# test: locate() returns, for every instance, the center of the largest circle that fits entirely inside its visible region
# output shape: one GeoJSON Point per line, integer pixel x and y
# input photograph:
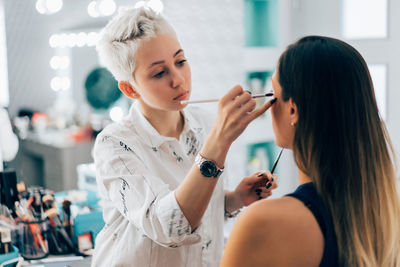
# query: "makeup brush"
{"type": "Point", "coordinates": [274, 167]}
{"type": "Point", "coordinates": [276, 161]}
{"type": "Point", "coordinates": [216, 100]}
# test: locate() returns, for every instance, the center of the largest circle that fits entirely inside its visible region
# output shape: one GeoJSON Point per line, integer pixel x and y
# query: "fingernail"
{"type": "Point", "coordinates": [261, 174]}
{"type": "Point", "coordinates": [272, 179]}
{"type": "Point", "coordinates": [258, 190]}
{"type": "Point", "coordinates": [248, 91]}
{"type": "Point", "coordinates": [273, 100]}
{"type": "Point", "coordinates": [268, 185]}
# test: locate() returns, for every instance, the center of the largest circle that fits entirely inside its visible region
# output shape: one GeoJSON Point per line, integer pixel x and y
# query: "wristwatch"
{"type": "Point", "coordinates": [207, 167]}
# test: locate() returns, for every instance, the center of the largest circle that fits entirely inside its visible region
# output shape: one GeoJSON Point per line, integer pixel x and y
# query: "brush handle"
{"type": "Point", "coordinates": [216, 100]}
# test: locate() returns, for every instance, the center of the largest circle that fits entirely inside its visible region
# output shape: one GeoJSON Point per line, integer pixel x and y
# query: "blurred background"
{"type": "Point", "coordinates": [59, 97]}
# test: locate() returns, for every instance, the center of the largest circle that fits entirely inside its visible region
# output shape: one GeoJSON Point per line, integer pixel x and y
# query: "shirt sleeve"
{"type": "Point", "coordinates": [142, 198]}
{"type": "Point", "coordinates": [8, 140]}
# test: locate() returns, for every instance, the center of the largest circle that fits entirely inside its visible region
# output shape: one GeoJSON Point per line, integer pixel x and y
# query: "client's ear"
{"type": "Point", "coordinates": [294, 115]}
{"type": "Point", "coordinates": [128, 90]}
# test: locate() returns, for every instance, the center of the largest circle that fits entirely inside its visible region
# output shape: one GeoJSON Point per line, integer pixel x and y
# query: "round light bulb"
{"type": "Point", "coordinates": [72, 39]}
{"type": "Point", "coordinates": [55, 62]}
{"type": "Point", "coordinates": [156, 5]}
{"type": "Point", "coordinates": [55, 84]}
{"type": "Point", "coordinates": [63, 40]}
{"type": "Point", "coordinates": [93, 10]}
{"type": "Point", "coordinates": [54, 6]}
{"type": "Point", "coordinates": [41, 6]}
{"type": "Point", "coordinates": [65, 83]}
{"type": "Point", "coordinates": [107, 7]}
{"type": "Point", "coordinates": [54, 40]}
{"type": "Point", "coordinates": [81, 39]}
{"type": "Point", "coordinates": [116, 114]}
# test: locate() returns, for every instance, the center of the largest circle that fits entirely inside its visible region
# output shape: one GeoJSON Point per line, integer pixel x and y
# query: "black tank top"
{"type": "Point", "coordinates": [307, 194]}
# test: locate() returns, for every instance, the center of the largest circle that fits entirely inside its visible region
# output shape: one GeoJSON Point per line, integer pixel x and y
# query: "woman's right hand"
{"type": "Point", "coordinates": [235, 111]}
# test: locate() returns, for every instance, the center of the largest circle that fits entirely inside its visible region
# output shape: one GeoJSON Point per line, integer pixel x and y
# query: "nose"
{"type": "Point", "coordinates": [177, 78]}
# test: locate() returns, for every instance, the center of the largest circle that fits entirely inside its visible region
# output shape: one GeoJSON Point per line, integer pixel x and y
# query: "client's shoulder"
{"type": "Point", "coordinates": [279, 232]}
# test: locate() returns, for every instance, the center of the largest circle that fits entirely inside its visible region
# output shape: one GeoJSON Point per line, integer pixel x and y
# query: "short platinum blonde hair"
{"type": "Point", "coordinates": [122, 36]}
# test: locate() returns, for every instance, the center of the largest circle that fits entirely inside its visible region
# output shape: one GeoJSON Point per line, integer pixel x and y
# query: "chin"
{"type": "Point", "coordinates": [282, 144]}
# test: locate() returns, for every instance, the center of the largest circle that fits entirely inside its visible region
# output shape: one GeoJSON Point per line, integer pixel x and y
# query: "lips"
{"type": "Point", "coordinates": [182, 96]}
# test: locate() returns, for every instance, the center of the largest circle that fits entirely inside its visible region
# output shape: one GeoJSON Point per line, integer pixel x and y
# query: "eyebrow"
{"type": "Point", "coordinates": [162, 61]}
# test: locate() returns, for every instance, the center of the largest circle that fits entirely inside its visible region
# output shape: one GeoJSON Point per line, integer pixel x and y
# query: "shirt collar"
{"type": "Point", "coordinates": [149, 135]}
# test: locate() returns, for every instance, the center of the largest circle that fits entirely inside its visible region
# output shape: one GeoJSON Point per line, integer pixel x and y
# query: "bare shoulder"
{"type": "Point", "coordinates": [277, 232]}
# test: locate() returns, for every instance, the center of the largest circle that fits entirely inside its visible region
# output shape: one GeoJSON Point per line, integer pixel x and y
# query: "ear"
{"type": "Point", "coordinates": [128, 90]}
{"type": "Point", "coordinates": [293, 112]}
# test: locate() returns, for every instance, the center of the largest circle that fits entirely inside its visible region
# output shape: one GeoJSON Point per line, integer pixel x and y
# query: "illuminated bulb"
{"type": "Point", "coordinates": [54, 40]}
{"type": "Point", "coordinates": [72, 39]}
{"type": "Point", "coordinates": [55, 62]}
{"type": "Point", "coordinates": [54, 6]}
{"type": "Point", "coordinates": [41, 6]}
{"type": "Point", "coordinates": [81, 39]}
{"type": "Point", "coordinates": [116, 114]}
{"type": "Point", "coordinates": [63, 40]}
{"type": "Point", "coordinates": [156, 5]}
{"type": "Point", "coordinates": [55, 84]}
{"type": "Point", "coordinates": [48, 6]}
{"type": "Point", "coordinates": [92, 9]}
{"type": "Point", "coordinates": [65, 83]}
{"type": "Point", "coordinates": [107, 7]}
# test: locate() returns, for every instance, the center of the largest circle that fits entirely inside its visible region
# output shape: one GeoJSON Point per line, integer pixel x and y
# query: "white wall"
{"type": "Point", "coordinates": [316, 17]}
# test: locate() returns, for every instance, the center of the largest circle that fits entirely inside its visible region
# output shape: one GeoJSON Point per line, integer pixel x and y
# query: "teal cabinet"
{"type": "Point", "coordinates": [261, 22]}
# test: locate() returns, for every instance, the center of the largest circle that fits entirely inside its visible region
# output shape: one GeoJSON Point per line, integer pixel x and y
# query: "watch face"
{"type": "Point", "coordinates": [208, 168]}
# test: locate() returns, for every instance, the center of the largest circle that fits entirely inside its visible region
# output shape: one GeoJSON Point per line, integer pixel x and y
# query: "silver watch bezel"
{"type": "Point", "coordinates": [200, 160]}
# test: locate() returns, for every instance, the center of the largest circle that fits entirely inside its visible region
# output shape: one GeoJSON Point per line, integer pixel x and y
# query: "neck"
{"type": "Point", "coordinates": [303, 178]}
{"type": "Point", "coordinates": [167, 123]}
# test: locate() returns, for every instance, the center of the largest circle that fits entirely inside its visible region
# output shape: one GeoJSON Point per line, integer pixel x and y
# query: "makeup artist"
{"type": "Point", "coordinates": [346, 211]}
{"type": "Point", "coordinates": [159, 170]}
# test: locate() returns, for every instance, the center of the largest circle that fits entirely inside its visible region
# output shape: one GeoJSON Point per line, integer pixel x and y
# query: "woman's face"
{"type": "Point", "coordinates": [162, 73]}
{"type": "Point", "coordinates": [283, 115]}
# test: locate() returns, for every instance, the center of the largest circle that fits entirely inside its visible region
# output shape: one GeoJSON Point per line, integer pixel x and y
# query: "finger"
{"type": "Point", "coordinates": [256, 113]}
{"type": "Point", "coordinates": [239, 102]}
{"type": "Point", "coordinates": [271, 185]}
{"type": "Point", "coordinates": [255, 178]}
{"type": "Point", "coordinates": [232, 94]}
{"type": "Point", "coordinates": [264, 195]}
{"type": "Point", "coordinates": [263, 174]}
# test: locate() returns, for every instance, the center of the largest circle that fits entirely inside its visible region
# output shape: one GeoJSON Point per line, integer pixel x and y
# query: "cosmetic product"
{"type": "Point", "coordinates": [216, 100]}
{"type": "Point", "coordinates": [66, 209]}
{"type": "Point", "coordinates": [5, 234]}
{"type": "Point", "coordinates": [48, 202]}
{"type": "Point", "coordinates": [59, 227]}
{"type": "Point", "coordinates": [276, 161]}
{"type": "Point", "coordinates": [268, 185]}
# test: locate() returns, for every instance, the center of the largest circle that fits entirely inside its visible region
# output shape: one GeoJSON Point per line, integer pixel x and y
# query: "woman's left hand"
{"type": "Point", "coordinates": [256, 187]}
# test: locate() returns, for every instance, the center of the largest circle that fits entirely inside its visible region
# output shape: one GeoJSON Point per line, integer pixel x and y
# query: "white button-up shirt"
{"type": "Point", "coordinates": [8, 140]}
{"type": "Point", "coordinates": [137, 172]}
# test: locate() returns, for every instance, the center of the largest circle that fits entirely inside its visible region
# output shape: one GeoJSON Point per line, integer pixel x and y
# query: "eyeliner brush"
{"type": "Point", "coordinates": [276, 161]}
{"type": "Point", "coordinates": [216, 100]}
{"type": "Point", "coordinates": [269, 184]}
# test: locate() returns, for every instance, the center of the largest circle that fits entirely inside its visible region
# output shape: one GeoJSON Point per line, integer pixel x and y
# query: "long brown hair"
{"type": "Point", "coordinates": [342, 144]}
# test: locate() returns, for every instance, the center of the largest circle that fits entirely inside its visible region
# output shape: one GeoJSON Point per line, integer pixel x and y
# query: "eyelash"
{"type": "Point", "coordinates": [161, 73]}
